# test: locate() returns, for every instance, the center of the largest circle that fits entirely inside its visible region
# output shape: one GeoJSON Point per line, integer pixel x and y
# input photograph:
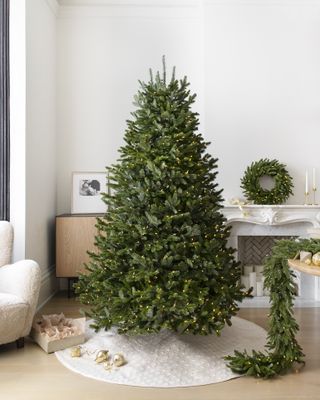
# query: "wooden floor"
{"type": "Point", "coordinates": [31, 374]}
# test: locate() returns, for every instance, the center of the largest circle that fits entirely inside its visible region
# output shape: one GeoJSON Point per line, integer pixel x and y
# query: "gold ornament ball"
{"type": "Point", "coordinates": [75, 351]}
{"type": "Point", "coordinates": [307, 261]}
{"type": "Point", "coordinates": [102, 356]}
{"type": "Point", "coordinates": [316, 259]}
{"type": "Point", "coordinates": [108, 365]}
{"type": "Point", "coordinates": [118, 360]}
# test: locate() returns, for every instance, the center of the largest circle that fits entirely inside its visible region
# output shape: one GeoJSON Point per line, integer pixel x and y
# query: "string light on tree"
{"type": "Point", "coordinates": [162, 247]}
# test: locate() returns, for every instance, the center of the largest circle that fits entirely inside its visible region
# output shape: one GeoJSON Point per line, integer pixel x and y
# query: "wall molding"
{"type": "Point", "coordinates": [178, 3]}
{"type": "Point", "coordinates": [130, 3]}
{"type": "Point", "coordinates": [261, 2]}
{"type": "Point", "coordinates": [158, 8]}
{"type": "Point", "coordinates": [110, 10]}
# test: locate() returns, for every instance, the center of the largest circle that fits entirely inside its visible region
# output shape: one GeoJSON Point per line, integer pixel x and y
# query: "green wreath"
{"type": "Point", "coordinates": [250, 183]}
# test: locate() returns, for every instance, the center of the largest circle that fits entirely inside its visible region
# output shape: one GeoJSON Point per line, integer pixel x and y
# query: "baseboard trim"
{"type": "Point", "coordinates": [39, 306]}
{"type": "Point", "coordinates": [49, 286]}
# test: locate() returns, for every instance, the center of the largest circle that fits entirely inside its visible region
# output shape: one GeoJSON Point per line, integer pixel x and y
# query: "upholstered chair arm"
{"type": "Point", "coordinates": [6, 242]}
{"type": "Point", "coordinates": [23, 280]}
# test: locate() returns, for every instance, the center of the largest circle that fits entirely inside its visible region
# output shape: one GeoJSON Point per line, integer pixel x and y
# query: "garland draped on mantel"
{"type": "Point", "coordinates": [283, 350]}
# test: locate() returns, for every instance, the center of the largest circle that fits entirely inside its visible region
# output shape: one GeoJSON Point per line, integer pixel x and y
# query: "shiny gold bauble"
{"type": "Point", "coordinates": [307, 261]}
{"type": "Point", "coordinates": [108, 365]}
{"type": "Point", "coordinates": [75, 351]}
{"type": "Point", "coordinates": [316, 259]}
{"type": "Point", "coordinates": [102, 356]}
{"type": "Point", "coordinates": [118, 360]}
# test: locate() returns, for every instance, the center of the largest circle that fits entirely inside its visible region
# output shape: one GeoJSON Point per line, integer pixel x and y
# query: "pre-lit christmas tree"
{"type": "Point", "coordinates": [162, 258]}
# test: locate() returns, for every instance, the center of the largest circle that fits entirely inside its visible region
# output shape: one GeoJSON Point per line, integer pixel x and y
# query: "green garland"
{"type": "Point", "coordinates": [282, 348]}
{"type": "Point", "coordinates": [250, 183]}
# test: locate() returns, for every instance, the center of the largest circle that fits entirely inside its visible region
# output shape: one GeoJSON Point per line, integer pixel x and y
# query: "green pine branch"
{"type": "Point", "coordinates": [283, 350]}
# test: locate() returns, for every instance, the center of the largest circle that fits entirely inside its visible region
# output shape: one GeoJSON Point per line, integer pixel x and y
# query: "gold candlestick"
{"type": "Point", "coordinates": [314, 189]}
{"type": "Point", "coordinates": [306, 198]}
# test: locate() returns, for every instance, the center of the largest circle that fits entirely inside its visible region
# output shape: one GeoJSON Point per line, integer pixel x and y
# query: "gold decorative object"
{"type": "Point", "coordinates": [75, 351]}
{"type": "Point", "coordinates": [314, 186]}
{"type": "Point", "coordinates": [307, 261]}
{"type": "Point", "coordinates": [118, 360]}
{"type": "Point", "coordinates": [102, 356]}
{"type": "Point", "coordinates": [241, 204]}
{"type": "Point", "coordinates": [316, 259]}
{"type": "Point", "coordinates": [305, 255]}
{"type": "Point", "coordinates": [108, 366]}
{"type": "Point", "coordinates": [314, 189]}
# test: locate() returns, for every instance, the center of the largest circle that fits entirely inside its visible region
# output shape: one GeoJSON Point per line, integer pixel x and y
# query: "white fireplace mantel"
{"type": "Point", "coordinates": [273, 215]}
{"type": "Point", "coordinates": [277, 221]}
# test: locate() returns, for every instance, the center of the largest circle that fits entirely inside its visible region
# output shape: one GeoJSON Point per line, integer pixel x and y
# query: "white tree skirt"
{"type": "Point", "coordinates": [166, 359]}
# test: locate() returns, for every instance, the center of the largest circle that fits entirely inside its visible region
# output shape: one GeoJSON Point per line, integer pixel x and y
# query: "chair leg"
{"type": "Point", "coordinates": [20, 343]}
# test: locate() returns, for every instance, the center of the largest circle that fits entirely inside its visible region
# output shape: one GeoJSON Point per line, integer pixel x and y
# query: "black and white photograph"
{"type": "Point", "coordinates": [87, 189]}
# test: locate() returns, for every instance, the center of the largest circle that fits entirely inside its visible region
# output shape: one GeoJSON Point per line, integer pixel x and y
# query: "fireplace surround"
{"type": "Point", "coordinates": [274, 222]}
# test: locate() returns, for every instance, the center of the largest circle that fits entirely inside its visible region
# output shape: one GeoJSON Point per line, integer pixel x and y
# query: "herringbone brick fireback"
{"type": "Point", "coordinates": [252, 250]}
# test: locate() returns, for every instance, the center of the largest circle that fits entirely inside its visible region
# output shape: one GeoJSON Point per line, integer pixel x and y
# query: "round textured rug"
{"type": "Point", "coordinates": [166, 359]}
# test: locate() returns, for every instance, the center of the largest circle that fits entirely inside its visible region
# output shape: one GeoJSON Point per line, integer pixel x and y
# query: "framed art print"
{"type": "Point", "coordinates": [87, 189]}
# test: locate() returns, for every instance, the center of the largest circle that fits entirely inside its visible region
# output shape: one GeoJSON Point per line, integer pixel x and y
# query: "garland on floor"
{"type": "Point", "coordinates": [282, 347]}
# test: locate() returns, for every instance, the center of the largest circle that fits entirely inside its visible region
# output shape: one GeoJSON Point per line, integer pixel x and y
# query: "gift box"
{"type": "Point", "coordinates": [56, 332]}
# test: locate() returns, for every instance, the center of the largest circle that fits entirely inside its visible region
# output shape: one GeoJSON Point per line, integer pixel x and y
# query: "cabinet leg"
{"type": "Point", "coordinates": [70, 285]}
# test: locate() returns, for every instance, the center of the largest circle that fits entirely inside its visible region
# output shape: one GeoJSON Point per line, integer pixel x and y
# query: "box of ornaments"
{"type": "Point", "coordinates": [56, 332]}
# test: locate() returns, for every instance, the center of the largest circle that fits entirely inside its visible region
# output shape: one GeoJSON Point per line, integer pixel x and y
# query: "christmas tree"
{"type": "Point", "coordinates": [162, 259]}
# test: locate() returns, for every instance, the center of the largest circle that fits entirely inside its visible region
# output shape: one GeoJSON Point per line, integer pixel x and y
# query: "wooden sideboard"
{"type": "Point", "coordinates": [75, 235]}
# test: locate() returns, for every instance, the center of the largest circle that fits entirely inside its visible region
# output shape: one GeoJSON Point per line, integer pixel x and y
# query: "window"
{"type": "Point", "coordinates": [4, 112]}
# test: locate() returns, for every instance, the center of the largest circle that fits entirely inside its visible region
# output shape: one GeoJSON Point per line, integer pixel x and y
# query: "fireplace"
{"type": "Point", "coordinates": [252, 251]}
{"type": "Point", "coordinates": [254, 231]}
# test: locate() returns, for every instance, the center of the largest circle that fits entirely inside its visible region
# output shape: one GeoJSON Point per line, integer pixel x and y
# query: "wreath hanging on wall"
{"type": "Point", "coordinates": [251, 185]}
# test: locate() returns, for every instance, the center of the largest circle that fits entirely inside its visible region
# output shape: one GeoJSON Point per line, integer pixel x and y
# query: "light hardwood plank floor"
{"type": "Point", "coordinates": [31, 374]}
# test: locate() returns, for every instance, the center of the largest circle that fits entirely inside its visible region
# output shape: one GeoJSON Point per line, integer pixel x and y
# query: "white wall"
{"type": "Point", "coordinates": [33, 134]}
{"type": "Point", "coordinates": [102, 52]}
{"type": "Point", "coordinates": [41, 137]}
{"type": "Point", "coordinates": [262, 62]}
{"type": "Point", "coordinates": [253, 63]}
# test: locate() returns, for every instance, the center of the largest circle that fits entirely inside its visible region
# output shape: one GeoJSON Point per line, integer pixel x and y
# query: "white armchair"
{"type": "Point", "coordinates": [19, 291]}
